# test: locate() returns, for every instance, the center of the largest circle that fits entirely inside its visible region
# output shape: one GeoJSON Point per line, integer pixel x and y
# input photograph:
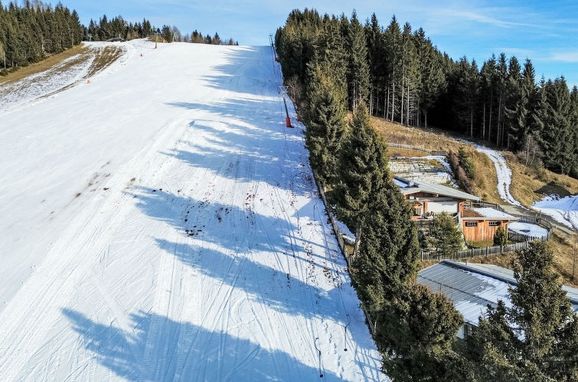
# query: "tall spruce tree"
{"type": "Point", "coordinates": [376, 57]}
{"type": "Point", "coordinates": [445, 237]}
{"type": "Point", "coordinates": [433, 79]}
{"type": "Point", "coordinates": [516, 106]}
{"type": "Point", "coordinates": [392, 40]}
{"type": "Point", "coordinates": [363, 164]}
{"type": "Point", "coordinates": [358, 69]}
{"type": "Point", "coordinates": [537, 337]}
{"type": "Point", "coordinates": [325, 119]}
{"type": "Point", "coordinates": [417, 333]}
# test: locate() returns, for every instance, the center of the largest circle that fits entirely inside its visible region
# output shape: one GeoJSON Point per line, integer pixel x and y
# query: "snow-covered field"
{"type": "Point", "coordinates": [159, 223]}
{"type": "Point", "coordinates": [528, 229]}
{"type": "Point", "coordinates": [563, 210]}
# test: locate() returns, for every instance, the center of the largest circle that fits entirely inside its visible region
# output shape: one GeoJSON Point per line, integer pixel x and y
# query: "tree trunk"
{"type": "Point", "coordinates": [402, 98]}
{"type": "Point", "coordinates": [371, 102]}
{"type": "Point", "coordinates": [425, 117]}
{"type": "Point", "coordinates": [357, 243]}
{"type": "Point", "coordinates": [471, 122]}
{"type": "Point", "coordinates": [490, 119]}
{"type": "Point", "coordinates": [484, 124]}
{"type": "Point", "coordinates": [499, 132]}
{"type": "Point", "coordinates": [393, 102]}
{"type": "Point", "coordinates": [407, 122]}
{"type": "Point", "coordinates": [386, 104]}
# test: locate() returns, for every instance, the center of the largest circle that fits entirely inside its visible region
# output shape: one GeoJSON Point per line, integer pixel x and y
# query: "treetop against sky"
{"type": "Point", "coordinates": [542, 31]}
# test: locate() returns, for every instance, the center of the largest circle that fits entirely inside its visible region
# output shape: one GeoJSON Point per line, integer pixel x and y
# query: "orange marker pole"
{"type": "Point", "coordinates": [287, 118]}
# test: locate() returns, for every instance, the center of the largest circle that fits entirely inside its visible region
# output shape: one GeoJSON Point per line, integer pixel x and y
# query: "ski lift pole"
{"type": "Point", "coordinates": [157, 35]}
{"type": "Point", "coordinates": [287, 118]}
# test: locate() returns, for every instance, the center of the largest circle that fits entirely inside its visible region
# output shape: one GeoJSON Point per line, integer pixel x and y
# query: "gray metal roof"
{"type": "Point", "coordinates": [472, 287]}
{"type": "Point", "coordinates": [408, 187]}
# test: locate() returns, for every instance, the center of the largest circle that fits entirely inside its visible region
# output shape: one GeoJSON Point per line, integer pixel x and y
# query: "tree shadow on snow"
{"type": "Point", "coordinates": [248, 121]}
{"type": "Point", "coordinates": [273, 287]}
{"type": "Point", "coordinates": [160, 349]}
{"type": "Point", "coordinates": [247, 69]}
{"type": "Point", "coordinates": [228, 226]}
{"type": "Point", "coordinates": [242, 130]}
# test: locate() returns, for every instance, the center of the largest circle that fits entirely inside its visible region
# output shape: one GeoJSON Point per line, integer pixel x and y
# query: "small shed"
{"type": "Point", "coordinates": [481, 224]}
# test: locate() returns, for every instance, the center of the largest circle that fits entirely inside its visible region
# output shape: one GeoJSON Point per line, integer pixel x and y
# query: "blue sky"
{"type": "Point", "coordinates": [544, 31]}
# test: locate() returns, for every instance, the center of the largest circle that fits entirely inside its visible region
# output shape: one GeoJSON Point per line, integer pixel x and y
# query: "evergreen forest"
{"type": "Point", "coordinates": [339, 72]}
{"type": "Point", "coordinates": [403, 77]}
{"type": "Point", "coordinates": [33, 31]}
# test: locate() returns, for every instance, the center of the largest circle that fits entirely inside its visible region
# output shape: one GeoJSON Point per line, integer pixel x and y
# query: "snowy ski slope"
{"type": "Point", "coordinates": [159, 223]}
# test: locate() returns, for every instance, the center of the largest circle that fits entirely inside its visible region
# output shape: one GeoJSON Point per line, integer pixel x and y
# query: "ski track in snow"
{"type": "Point", "coordinates": [162, 224]}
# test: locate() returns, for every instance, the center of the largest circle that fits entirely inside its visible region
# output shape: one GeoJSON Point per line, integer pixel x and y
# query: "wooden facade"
{"type": "Point", "coordinates": [481, 230]}
{"type": "Point", "coordinates": [479, 227]}
{"type": "Point", "coordinates": [479, 222]}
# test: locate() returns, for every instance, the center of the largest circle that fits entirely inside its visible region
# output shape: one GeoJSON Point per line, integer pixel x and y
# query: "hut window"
{"type": "Point", "coordinates": [494, 223]}
{"type": "Point", "coordinates": [471, 224]}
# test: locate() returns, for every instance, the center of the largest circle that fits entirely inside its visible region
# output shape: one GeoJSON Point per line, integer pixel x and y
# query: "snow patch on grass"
{"type": "Point", "coordinates": [563, 210]}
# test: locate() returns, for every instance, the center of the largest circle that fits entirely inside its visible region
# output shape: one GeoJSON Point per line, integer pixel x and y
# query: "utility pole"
{"type": "Point", "coordinates": [157, 35]}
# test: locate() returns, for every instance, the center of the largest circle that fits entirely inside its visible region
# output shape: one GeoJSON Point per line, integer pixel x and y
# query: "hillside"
{"type": "Point", "coordinates": [528, 185]}
{"type": "Point", "coordinates": [159, 223]}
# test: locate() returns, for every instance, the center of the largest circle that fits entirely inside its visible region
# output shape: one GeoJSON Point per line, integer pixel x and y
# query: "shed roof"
{"type": "Point", "coordinates": [408, 187]}
{"type": "Point", "coordinates": [487, 213]}
{"type": "Point", "coordinates": [472, 287]}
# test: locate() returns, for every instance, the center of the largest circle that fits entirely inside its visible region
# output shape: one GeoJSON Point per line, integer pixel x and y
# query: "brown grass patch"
{"type": "Point", "coordinates": [393, 152]}
{"type": "Point", "coordinates": [564, 253]}
{"type": "Point", "coordinates": [484, 183]}
{"type": "Point", "coordinates": [43, 65]}
{"type": "Point", "coordinates": [104, 58]}
{"type": "Point", "coordinates": [530, 185]}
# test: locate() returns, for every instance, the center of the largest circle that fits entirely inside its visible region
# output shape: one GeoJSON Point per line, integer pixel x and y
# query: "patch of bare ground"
{"type": "Point", "coordinates": [43, 65]}
{"type": "Point", "coordinates": [530, 184]}
{"type": "Point", "coordinates": [104, 57]}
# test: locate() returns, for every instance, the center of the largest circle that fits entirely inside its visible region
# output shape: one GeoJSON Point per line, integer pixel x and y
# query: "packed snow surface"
{"type": "Point", "coordinates": [160, 223]}
{"type": "Point", "coordinates": [41, 84]}
{"type": "Point", "coordinates": [503, 172]}
{"type": "Point", "coordinates": [488, 212]}
{"type": "Point", "coordinates": [528, 229]}
{"type": "Point", "coordinates": [563, 210]}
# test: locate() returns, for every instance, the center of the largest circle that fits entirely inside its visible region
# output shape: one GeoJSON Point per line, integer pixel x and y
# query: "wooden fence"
{"type": "Point", "coordinates": [486, 251]}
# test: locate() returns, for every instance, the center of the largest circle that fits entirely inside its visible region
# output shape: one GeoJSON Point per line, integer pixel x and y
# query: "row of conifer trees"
{"type": "Point", "coordinates": [33, 31]}
{"type": "Point", "coordinates": [415, 329]}
{"type": "Point", "coordinates": [117, 27]}
{"type": "Point", "coordinates": [403, 77]}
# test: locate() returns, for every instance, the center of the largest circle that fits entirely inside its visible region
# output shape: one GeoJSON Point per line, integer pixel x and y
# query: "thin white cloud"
{"type": "Point", "coordinates": [484, 17]}
{"type": "Point", "coordinates": [569, 57]}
